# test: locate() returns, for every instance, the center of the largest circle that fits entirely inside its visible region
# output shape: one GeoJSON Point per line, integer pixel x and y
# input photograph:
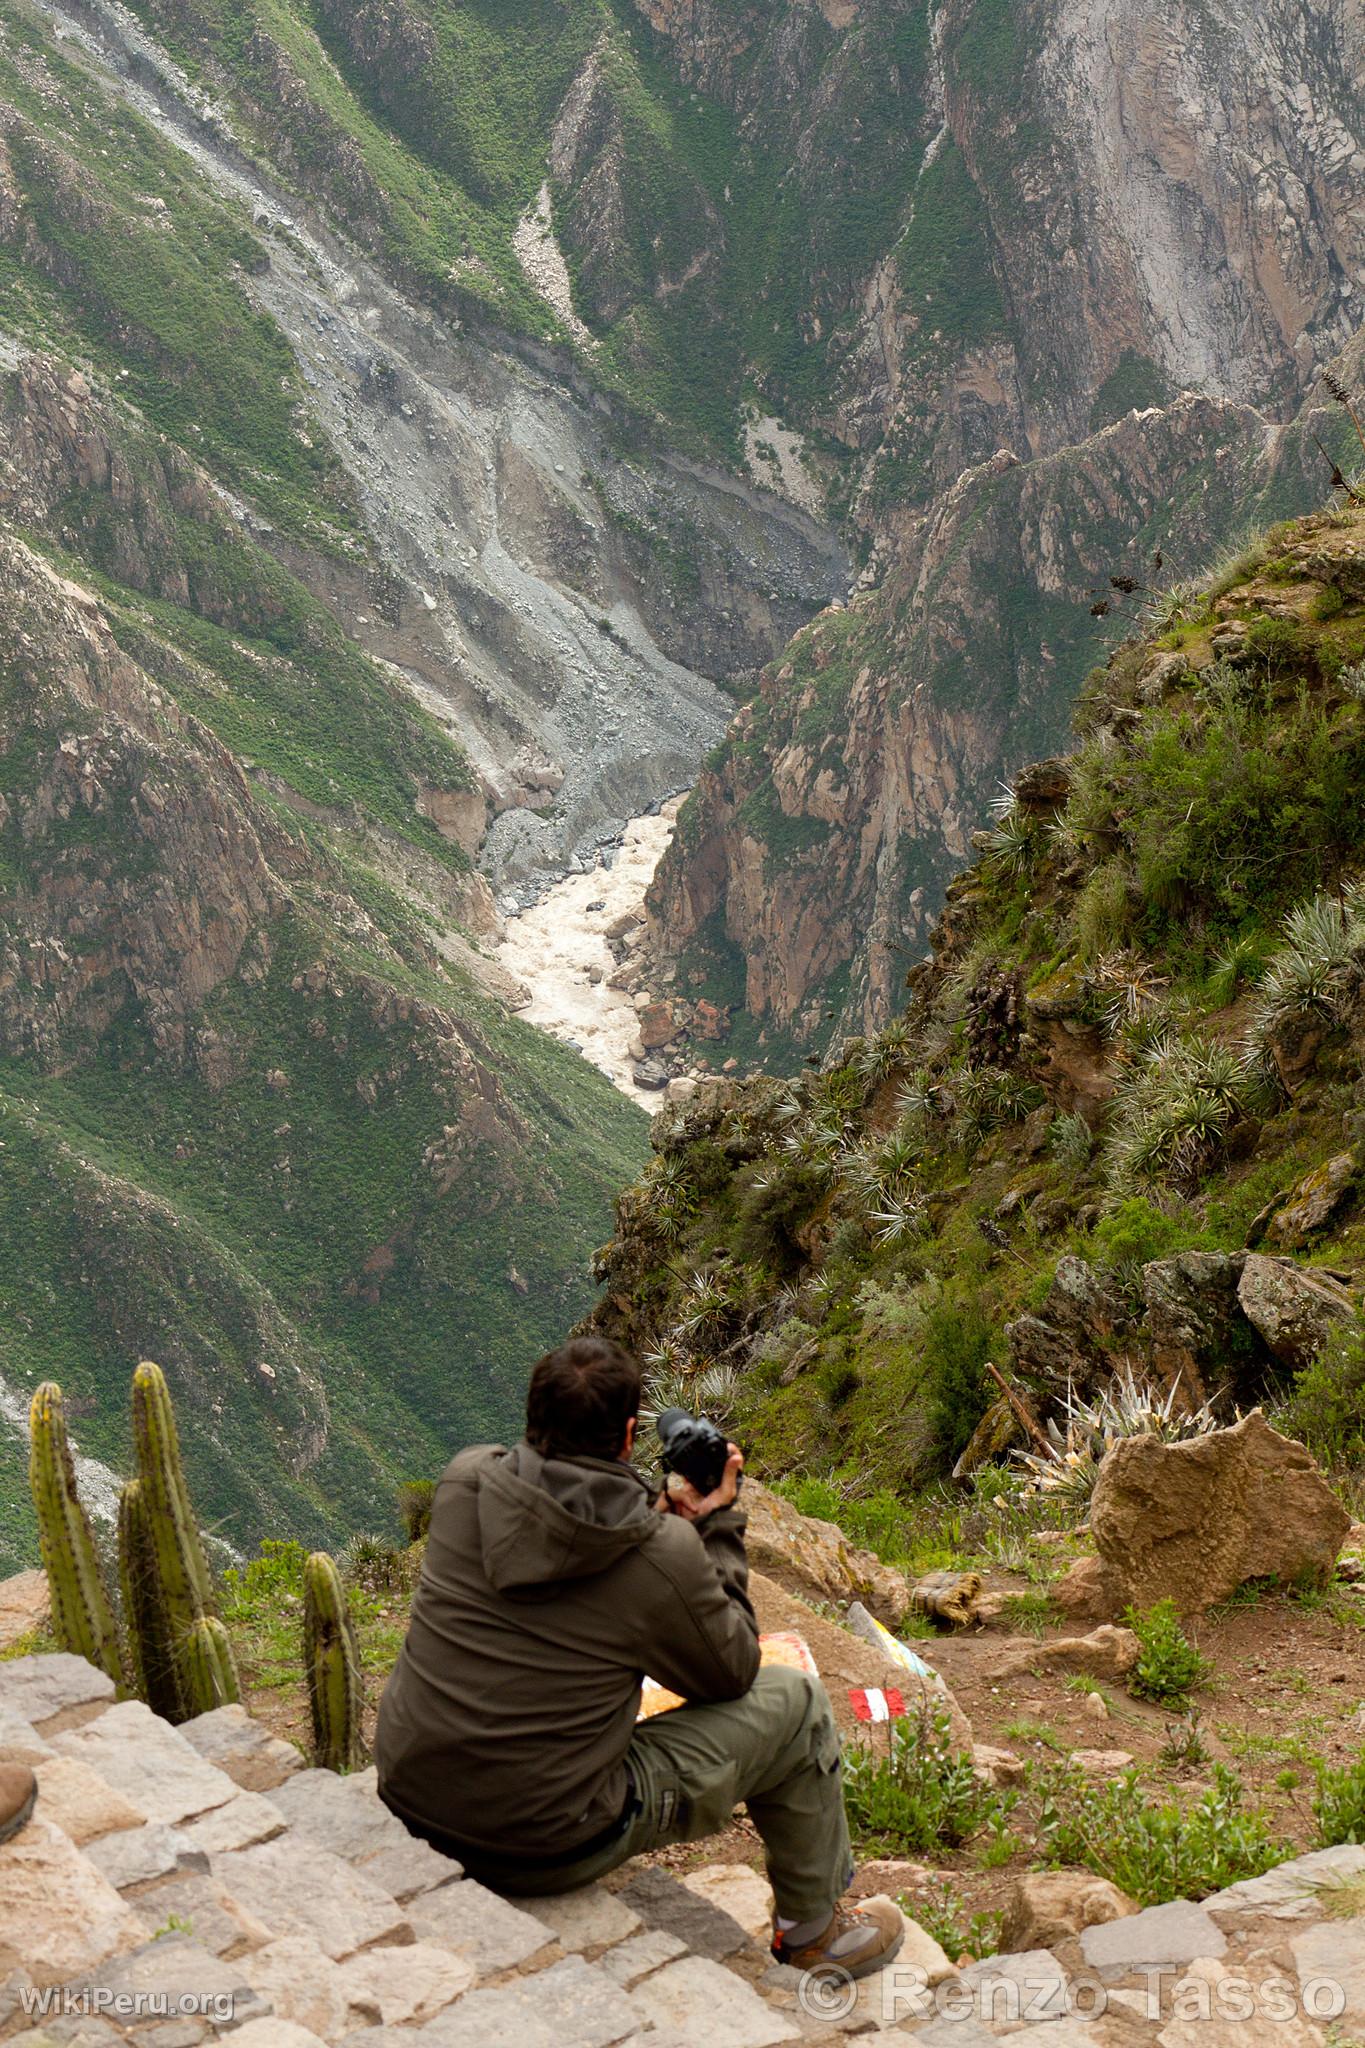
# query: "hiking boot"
{"type": "Point", "coordinates": [858, 1940]}
{"type": "Point", "coordinates": [18, 1790]}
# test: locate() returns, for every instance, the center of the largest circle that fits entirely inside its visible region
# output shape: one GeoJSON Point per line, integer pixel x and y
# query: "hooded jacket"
{"type": "Point", "coordinates": [549, 1588]}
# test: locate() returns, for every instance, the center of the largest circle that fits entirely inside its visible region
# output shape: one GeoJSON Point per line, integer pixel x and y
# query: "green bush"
{"type": "Point", "coordinates": [957, 1341]}
{"type": "Point", "coordinates": [1169, 1667]}
{"type": "Point", "coordinates": [1339, 1804]}
{"type": "Point", "coordinates": [1155, 1851]}
{"type": "Point", "coordinates": [1327, 1407]}
{"type": "Point", "coordinates": [921, 1794]}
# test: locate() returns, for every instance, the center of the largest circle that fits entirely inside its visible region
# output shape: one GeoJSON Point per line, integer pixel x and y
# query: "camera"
{"type": "Point", "coordinates": [693, 1447]}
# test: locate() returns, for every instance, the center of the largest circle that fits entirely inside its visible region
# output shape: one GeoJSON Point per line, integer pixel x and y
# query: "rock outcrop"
{"type": "Point", "coordinates": [1193, 1521]}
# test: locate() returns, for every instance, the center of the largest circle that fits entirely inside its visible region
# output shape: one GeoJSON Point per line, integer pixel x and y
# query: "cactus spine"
{"type": "Point", "coordinates": [82, 1615]}
{"type": "Point", "coordinates": [182, 1650]}
{"type": "Point", "coordinates": [332, 1662]}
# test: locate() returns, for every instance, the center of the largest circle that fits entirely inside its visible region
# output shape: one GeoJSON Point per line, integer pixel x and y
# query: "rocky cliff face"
{"type": "Point", "coordinates": [1103, 311]}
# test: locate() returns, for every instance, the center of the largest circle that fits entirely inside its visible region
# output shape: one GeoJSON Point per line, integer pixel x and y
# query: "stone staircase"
{"type": "Point", "coordinates": [176, 1885]}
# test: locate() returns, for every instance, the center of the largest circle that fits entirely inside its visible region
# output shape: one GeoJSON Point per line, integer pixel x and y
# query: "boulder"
{"type": "Point", "coordinates": [1294, 1310]}
{"type": "Point", "coordinates": [815, 1559]}
{"type": "Point", "coordinates": [1194, 1320]}
{"type": "Point", "coordinates": [1084, 1592]}
{"type": "Point", "coordinates": [24, 1607]}
{"type": "Point", "coordinates": [1047, 1906]}
{"type": "Point", "coordinates": [1193, 1521]}
{"type": "Point", "coordinates": [1077, 1335]}
{"type": "Point", "coordinates": [658, 1026]}
{"type": "Point", "coordinates": [1107, 1652]}
{"type": "Point", "coordinates": [1310, 1206]}
{"type": "Point", "coordinates": [652, 1074]}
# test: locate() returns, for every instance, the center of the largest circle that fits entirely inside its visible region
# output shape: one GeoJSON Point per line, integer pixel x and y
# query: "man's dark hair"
{"type": "Point", "coordinates": [580, 1399]}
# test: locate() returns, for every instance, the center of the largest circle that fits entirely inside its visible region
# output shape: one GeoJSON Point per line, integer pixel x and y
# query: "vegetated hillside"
{"type": "Point", "coordinates": [266, 1116]}
{"type": "Point", "coordinates": [1130, 1070]}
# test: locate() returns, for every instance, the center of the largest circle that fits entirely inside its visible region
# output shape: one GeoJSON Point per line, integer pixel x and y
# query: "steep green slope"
{"type": "Point", "coordinates": [1134, 1059]}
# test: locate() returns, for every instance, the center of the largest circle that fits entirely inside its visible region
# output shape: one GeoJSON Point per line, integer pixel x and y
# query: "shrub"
{"type": "Point", "coordinates": [1071, 1142]}
{"type": "Point", "coordinates": [414, 1500]}
{"type": "Point", "coordinates": [1169, 1667]}
{"type": "Point", "coordinates": [944, 1918]}
{"type": "Point", "coordinates": [1327, 1407]}
{"type": "Point", "coordinates": [956, 1344]}
{"type": "Point", "coordinates": [919, 1794]}
{"type": "Point", "coordinates": [1339, 1804]}
{"type": "Point", "coordinates": [1134, 1233]}
{"type": "Point", "coordinates": [1156, 1852]}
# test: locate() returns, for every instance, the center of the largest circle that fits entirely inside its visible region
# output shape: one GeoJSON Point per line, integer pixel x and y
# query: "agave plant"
{"type": "Point", "coordinates": [887, 1051]}
{"type": "Point", "coordinates": [1130, 990]}
{"type": "Point", "coordinates": [1012, 843]}
{"type": "Point", "coordinates": [1174, 1111]}
{"type": "Point", "coordinates": [1129, 1407]}
{"type": "Point", "coordinates": [1317, 970]}
{"type": "Point", "coordinates": [988, 1097]}
{"type": "Point", "coordinates": [705, 1306]}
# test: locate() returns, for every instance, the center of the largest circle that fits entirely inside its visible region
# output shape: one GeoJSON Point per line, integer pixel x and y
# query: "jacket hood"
{"type": "Point", "coordinates": [545, 1519]}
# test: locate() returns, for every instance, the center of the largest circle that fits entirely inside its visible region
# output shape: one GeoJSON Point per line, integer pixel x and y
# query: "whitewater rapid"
{"type": "Point", "coordinates": [554, 948]}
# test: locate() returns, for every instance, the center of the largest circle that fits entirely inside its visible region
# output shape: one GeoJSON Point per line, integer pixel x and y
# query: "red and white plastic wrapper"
{"type": "Point", "coordinates": [784, 1647]}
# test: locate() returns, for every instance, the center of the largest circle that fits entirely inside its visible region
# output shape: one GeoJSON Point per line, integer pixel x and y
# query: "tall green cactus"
{"type": "Point", "coordinates": [82, 1614]}
{"type": "Point", "coordinates": [143, 1611]}
{"type": "Point", "coordinates": [183, 1651]}
{"type": "Point", "coordinates": [206, 1669]}
{"type": "Point", "coordinates": [332, 1663]}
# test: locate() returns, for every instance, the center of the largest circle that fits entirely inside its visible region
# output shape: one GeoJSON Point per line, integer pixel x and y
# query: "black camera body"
{"type": "Point", "coordinates": [693, 1447]}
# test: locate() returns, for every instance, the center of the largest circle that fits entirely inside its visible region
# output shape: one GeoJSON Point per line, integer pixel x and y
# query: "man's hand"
{"type": "Point", "coordinates": [680, 1497]}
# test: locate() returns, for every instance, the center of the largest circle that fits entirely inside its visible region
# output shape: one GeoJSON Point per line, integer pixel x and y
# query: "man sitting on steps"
{"type": "Point", "coordinates": [552, 1583]}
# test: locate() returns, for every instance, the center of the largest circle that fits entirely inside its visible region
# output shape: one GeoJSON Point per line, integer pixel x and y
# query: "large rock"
{"type": "Point", "coordinates": [1313, 1204]}
{"type": "Point", "coordinates": [815, 1559]}
{"type": "Point", "coordinates": [1106, 1652]}
{"type": "Point", "coordinates": [1077, 1336]}
{"type": "Point", "coordinates": [1295, 1311]}
{"type": "Point", "coordinates": [1047, 1906]}
{"type": "Point", "coordinates": [1194, 1321]}
{"type": "Point", "coordinates": [1194, 1521]}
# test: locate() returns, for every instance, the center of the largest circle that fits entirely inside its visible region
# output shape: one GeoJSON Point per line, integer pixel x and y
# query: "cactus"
{"type": "Point", "coordinates": [143, 1612]}
{"type": "Point", "coordinates": [183, 1652]}
{"type": "Point", "coordinates": [82, 1615]}
{"type": "Point", "coordinates": [205, 1668]}
{"type": "Point", "coordinates": [332, 1663]}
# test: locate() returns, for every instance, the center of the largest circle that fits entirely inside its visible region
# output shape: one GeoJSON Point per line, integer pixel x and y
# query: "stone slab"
{"type": "Point", "coordinates": [81, 1803]}
{"type": "Point", "coordinates": [244, 1749]}
{"type": "Point", "coordinates": [641, 1955]}
{"type": "Point", "coordinates": [137, 1855]}
{"type": "Point", "coordinates": [1177, 1933]}
{"type": "Point", "coordinates": [1025, 1988]}
{"type": "Point", "coordinates": [300, 1984]}
{"type": "Point", "coordinates": [174, 1967]}
{"type": "Point", "coordinates": [295, 1887]}
{"type": "Point", "coordinates": [738, 1891]}
{"type": "Point", "coordinates": [394, 1985]}
{"type": "Point", "coordinates": [661, 1901]}
{"type": "Point", "coordinates": [20, 1742]}
{"type": "Point", "coordinates": [248, 1818]}
{"type": "Point", "coordinates": [573, 2004]}
{"type": "Point", "coordinates": [590, 1918]}
{"type": "Point", "coordinates": [1290, 1891]}
{"type": "Point", "coordinates": [705, 2002]}
{"type": "Point", "coordinates": [195, 1903]}
{"type": "Point", "coordinates": [1335, 1949]}
{"type": "Point", "coordinates": [59, 1917]}
{"type": "Point", "coordinates": [39, 1687]}
{"type": "Point", "coordinates": [147, 1760]}
{"type": "Point", "coordinates": [472, 1922]}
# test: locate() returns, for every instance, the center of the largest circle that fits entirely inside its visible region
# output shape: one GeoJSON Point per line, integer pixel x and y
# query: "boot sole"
{"type": "Point", "coordinates": [11, 1827]}
{"type": "Point", "coordinates": [853, 1971]}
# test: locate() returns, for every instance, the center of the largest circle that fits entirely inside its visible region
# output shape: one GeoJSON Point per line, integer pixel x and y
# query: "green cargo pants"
{"type": "Point", "coordinates": [776, 1751]}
